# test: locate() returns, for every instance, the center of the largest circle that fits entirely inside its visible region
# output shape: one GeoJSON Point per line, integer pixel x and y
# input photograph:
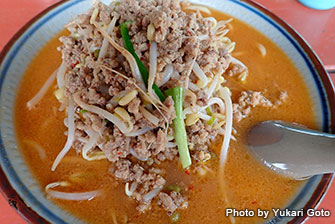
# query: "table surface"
{"type": "Point", "coordinates": [317, 27]}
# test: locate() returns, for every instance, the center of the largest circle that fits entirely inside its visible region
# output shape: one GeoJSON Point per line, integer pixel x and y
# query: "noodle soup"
{"type": "Point", "coordinates": [98, 185]}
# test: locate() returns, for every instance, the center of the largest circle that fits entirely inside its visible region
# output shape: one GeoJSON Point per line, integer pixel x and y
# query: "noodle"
{"type": "Point", "coordinates": [61, 75]}
{"type": "Point", "coordinates": [149, 116]}
{"type": "Point", "coordinates": [193, 86]}
{"type": "Point", "coordinates": [133, 153]}
{"type": "Point", "coordinates": [152, 66]}
{"type": "Point", "coordinates": [69, 196]}
{"type": "Point", "coordinates": [132, 62]}
{"type": "Point", "coordinates": [215, 100]}
{"type": "Point", "coordinates": [129, 192]}
{"type": "Point", "coordinates": [198, 8]}
{"type": "Point", "coordinates": [37, 147]}
{"type": "Point", "coordinates": [122, 121]}
{"type": "Point", "coordinates": [70, 135]}
{"type": "Point", "coordinates": [104, 46]}
{"type": "Point", "coordinates": [37, 98]}
{"type": "Point", "coordinates": [151, 194]}
{"type": "Point", "coordinates": [213, 85]}
{"type": "Point", "coordinates": [228, 128]}
{"type": "Point", "coordinates": [168, 71]}
{"type": "Point", "coordinates": [91, 143]}
{"type": "Point", "coordinates": [105, 114]}
{"type": "Point", "coordinates": [139, 132]}
{"type": "Point", "coordinates": [262, 49]}
{"type": "Point", "coordinates": [200, 74]}
{"type": "Point", "coordinates": [238, 62]}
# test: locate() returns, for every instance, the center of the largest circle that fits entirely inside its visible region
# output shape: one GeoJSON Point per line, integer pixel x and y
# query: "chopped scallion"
{"type": "Point", "coordinates": [82, 111]}
{"type": "Point", "coordinates": [96, 53]}
{"type": "Point", "coordinates": [212, 155]}
{"type": "Point", "coordinates": [211, 121]}
{"type": "Point", "coordinates": [208, 110]}
{"type": "Point", "coordinates": [144, 72]}
{"type": "Point", "coordinates": [179, 126]}
{"type": "Point", "coordinates": [173, 187]}
{"type": "Point", "coordinates": [174, 217]}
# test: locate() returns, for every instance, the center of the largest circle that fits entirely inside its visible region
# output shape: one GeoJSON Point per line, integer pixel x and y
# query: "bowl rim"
{"type": "Point", "coordinates": [29, 215]}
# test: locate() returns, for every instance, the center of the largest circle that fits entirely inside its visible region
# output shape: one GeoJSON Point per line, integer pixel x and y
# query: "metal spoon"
{"type": "Point", "coordinates": [292, 150]}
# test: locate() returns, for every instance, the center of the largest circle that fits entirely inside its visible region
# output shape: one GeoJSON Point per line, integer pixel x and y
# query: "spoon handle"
{"type": "Point", "coordinates": [293, 150]}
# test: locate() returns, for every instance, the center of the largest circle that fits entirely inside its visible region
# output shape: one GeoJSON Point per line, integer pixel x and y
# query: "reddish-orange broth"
{"type": "Point", "coordinates": [250, 185]}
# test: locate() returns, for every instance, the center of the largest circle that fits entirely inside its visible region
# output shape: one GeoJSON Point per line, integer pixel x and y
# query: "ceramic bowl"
{"type": "Point", "coordinates": [18, 184]}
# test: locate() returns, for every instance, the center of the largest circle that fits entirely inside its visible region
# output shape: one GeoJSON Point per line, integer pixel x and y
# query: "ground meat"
{"type": "Point", "coordinates": [202, 155]}
{"type": "Point", "coordinates": [170, 202]}
{"type": "Point", "coordinates": [179, 200]}
{"type": "Point", "coordinates": [171, 153]}
{"type": "Point", "coordinates": [160, 142]}
{"type": "Point", "coordinates": [117, 147]}
{"type": "Point", "coordinates": [175, 37]}
{"type": "Point", "coordinates": [282, 98]}
{"type": "Point", "coordinates": [170, 112]}
{"type": "Point", "coordinates": [248, 100]}
{"type": "Point", "coordinates": [74, 83]}
{"type": "Point", "coordinates": [94, 121]}
{"type": "Point", "coordinates": [143, 207]}
{"type": "Point", "coordinates": [147, 181]}
{"type": "Point", "coordinates": [126, 171]}
{"type": "Point", "coordinates": [133, 107]}
{"type": "Point", "coordinates": [93, 97]}
{"type": "Point", "coordinates": [123, 169]}
{"type": "Point", "coordinates": [105, 15]}
{"type": "Point", "coordinates": [182, 39]}
{"type": "Point", "coordinates": [235, 70]}
{"type": "Point", "coordinates": [141, 148]}
{"type": "Point", "coordinates": [167, 202]}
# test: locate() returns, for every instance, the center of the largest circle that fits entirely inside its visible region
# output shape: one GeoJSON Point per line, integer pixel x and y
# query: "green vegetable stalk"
{"type": "Point", "coordinates": [174, 217]}
{"type": "Point", "coordinates": [82, 111]}
{"type": "Point", "coordinates": [179, 126]}
{"type": "Point", "coordinates": [175, 93]}
{"type": "Point", "coordinates": [173, 187]}
{"type": "Point", "coordinates": [144, 72]}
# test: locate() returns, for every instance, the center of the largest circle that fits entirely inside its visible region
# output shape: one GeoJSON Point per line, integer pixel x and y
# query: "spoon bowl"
{"type": "Point", "coordinates": [291, 149]}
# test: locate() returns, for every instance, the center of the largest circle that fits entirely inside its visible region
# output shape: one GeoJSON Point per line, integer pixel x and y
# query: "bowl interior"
{"type": "Point", "coordinates": [20, 54]}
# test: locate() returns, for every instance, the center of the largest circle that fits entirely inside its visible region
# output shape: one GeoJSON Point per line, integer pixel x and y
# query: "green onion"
{"type": "Point", "coordinates": [179, 126]}
{"type": "Point", "coordinates": [173, 187]}
{"type": "Point", "coordinates": [116, 4]}
{"type": "Point", "coordinates": [211, 121]}
{"type": "Point", "coordinates": [79, 65]}
{"type": "Point", "coordinates": [150, 161]}
{"type": "Point", "coordinates": [144, 72]}
{"type": "Point", "coordinates": [107, 138]}
{"type": "Point", "coordinates": [174, 217]}
{"type": "Point", "coordinates": [212, 155]}
{"type": "Point", "coordinates": [96, 53]}
{"type": "Point", "coordinates": [82, 111]}
{"type": "Point", "coordinates": [208, 110]}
